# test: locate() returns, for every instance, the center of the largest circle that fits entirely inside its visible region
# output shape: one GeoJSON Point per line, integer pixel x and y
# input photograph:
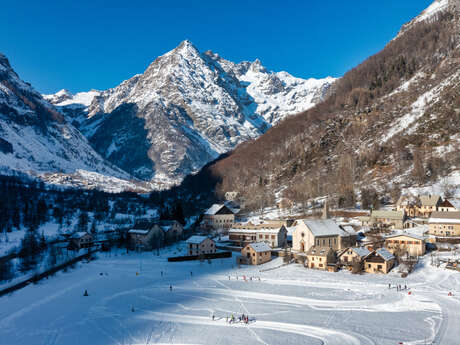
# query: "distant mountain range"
{"type": "Point", "coordinates": [185, 110]}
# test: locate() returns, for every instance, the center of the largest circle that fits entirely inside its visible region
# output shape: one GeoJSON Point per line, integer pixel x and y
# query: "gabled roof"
{"type": "Point", "coordinates": [398, 215]}
{"type": "Point", "coordinates": [360, 251]}
{"type": "Point", "coordinates": [218, 209]}
{"type": "Point", "coordinates": [446, 203]}
{"type": "Point", "coordinates": [324, 227]}
{"type": "Point", "coordinates": [384, 254]}
{"type": "Point", "coordinates": [196, 239]}
{"type": "Point", "coordinates": [260, 247]}
{"type": "Point", "coordinates": [430, 200]}
{"type": "Point", "coordinates": [319, 251]}
{"type": "Point", "coordinates": [444, 217]}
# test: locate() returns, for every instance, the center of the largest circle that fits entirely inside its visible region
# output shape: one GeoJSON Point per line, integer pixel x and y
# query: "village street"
{"type": "Point", "coordinates": [289, 305]}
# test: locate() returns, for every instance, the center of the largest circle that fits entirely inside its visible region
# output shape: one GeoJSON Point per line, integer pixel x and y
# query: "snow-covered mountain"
{"type": "Point", "coordinates": [185, 110]}
{"type": "Point", "coordinates": [36, 139]}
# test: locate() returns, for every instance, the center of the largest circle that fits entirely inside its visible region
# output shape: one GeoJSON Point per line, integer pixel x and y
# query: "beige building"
{"type": "Point", "coordinates": [217, 217]}
{"type": "Point", "coordinates": [409, 204]}
{"type": "Point", "coordinates": [197, 245]}
{"type": "Point", "coordinates": [256, 253]}
{"type": "Point", "coordinates": [412, 244]}
{"type": "Point", "coordinates": [428, 204]}
{"type": "Point", "coordinates": [391, 219]}
{"type": "Point", "coordinates": [80, 240]}
{"type": "Point", "coordinates": [353, 254]}
{"type": "Point", "coordinates": [320, 257]}
{"type": "Point", "coordinates": [275, 235]}
{"type": "Point", "coordinates": [444, 224]}
{"type": "Point", "coordinates": [379, 261]}
{"type": "Point", "coordinates": [320, 233]}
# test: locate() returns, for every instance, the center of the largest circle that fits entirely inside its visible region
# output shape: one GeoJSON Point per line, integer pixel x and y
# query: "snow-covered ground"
{"type": "Point", "coordinates": [289, 305]}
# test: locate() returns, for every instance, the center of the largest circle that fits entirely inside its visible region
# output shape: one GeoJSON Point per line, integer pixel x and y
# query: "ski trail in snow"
{"type": "Point", "coordinates": [325, 336]}
{"type": "Point", "coordinates": [6, 321]}
{"type": "Point", "coordinates": [247, 311]}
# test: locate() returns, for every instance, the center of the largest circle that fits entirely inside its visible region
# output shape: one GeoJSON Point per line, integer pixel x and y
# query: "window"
{"type": "Point", "coordinates": [379, 267]}
{"type": "Point", "coordinates": [368, 265]}
{"type": "Point", "coordinates": [273, 237]}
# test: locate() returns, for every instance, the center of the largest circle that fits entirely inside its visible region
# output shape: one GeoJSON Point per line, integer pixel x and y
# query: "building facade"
{"type": "Point", "coordinates": [444, 224]}
{"type": "Point", "coordinates": [406, 243]}
{"type": "Point", "coordinates": [379, 261]}
{"type": "Point", "coordinates": [256, 253]}
{"type": "Point", "coordinates": [272, 234]}
{"type": "Point", "coordinates": [218, 216]}
{"type": "Point", "coordinates": [320, 233]}
{"type": "Point", "coordinates": [320, 257]}
{"type": "Point", "coordinates": [198, 245]}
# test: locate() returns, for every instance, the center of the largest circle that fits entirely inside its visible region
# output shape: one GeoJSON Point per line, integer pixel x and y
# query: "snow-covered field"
{"type": "Point", "coordinates": [289, 305]}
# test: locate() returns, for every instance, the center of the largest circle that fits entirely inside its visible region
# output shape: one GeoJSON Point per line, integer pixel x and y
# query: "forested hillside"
{"type": "Point", "coordinates": [391, 122]}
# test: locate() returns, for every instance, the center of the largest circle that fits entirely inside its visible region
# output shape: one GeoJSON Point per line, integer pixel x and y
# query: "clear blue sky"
{"type": "Point", "coordinates": [80, 45]}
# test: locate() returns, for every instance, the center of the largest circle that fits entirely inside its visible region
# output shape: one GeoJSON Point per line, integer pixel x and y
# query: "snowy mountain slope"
{"type": "Point", "coordinates": [37, 139]}
{"type": "Point", "coordinates": [185, 110]}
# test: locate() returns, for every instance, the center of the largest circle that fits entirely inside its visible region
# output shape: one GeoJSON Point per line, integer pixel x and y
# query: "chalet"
{"type": "Point", "coordinates": [446, 206]}
{"type": "Point", "coordinates": [218, 216]}
{"type": "Point", "coordinates": [405, 243]}
{"type": "Point", "coordinates": [353, 254]}
{"type": "Point", "coordinates": [272, 234]}
{"type": "Point", "coordinates": [379, 261]}
{"type": "Point", "coordinates": [428, 204]}
{"type": "Point", "coordinates": [146, 237]}
{"type": "Point", "coordinates": [391, 219]}
{"type": "Point", "coordinates": [320, 233]}
{"type": "Point", "coordinates": [80, 240]}
{"type": "Point", "coordinates": [320, 257]}
{"type": "Point", "coordinates": [444, 224]}
{"type": "Point", "coordinates": [172, 229]}
{"type": "Point", "coordinates": [256, 253]}
{"type": "Point", "coordinates": [197, 245]}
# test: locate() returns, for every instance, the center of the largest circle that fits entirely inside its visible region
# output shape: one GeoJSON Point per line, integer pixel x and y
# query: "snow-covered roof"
{"type": "Point", "coordinates": [214, 209]}
{"type": "Point", "coordinates": [138, 231]}
{"type": "Point", "coordinates": [79, 234]}
{"type": "Point", "coordinates": [385, 254]}
{"type": "Point", "coordinates": [324, 227]}
{"type": "Point", "coordinates": [406, 234]}
{"type": "Point", "coordinates": [444, 217]}
{"type": "Point", "coordinates": [196, 239]}
{"type": "Point", "coordinates": [361, 251]}
{"type": "Point", "coordinates": [260, 247]}
{"type": "Point", "coordinates": [349, 229]}
{"type": "Point", "coordinates": [255, 231]}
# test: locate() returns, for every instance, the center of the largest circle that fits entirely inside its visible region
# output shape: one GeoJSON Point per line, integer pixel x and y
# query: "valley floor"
{"type": "Point", "coordinates": [288, 305]}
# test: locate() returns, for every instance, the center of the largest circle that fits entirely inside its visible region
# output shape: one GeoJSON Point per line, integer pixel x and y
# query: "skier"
{"type": "Point", "coordinates": [191, 274]}
{"type": "Point", "coordinates": [86, 293]}
{"type": "Point", "coordinates": [212, 317]}
{"type": "Point", "coordinates": [389, 285]}
{"type": "Point", "coordinates": [162, 273]}
{"type": "Point", "coordinates": [170, 287]}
